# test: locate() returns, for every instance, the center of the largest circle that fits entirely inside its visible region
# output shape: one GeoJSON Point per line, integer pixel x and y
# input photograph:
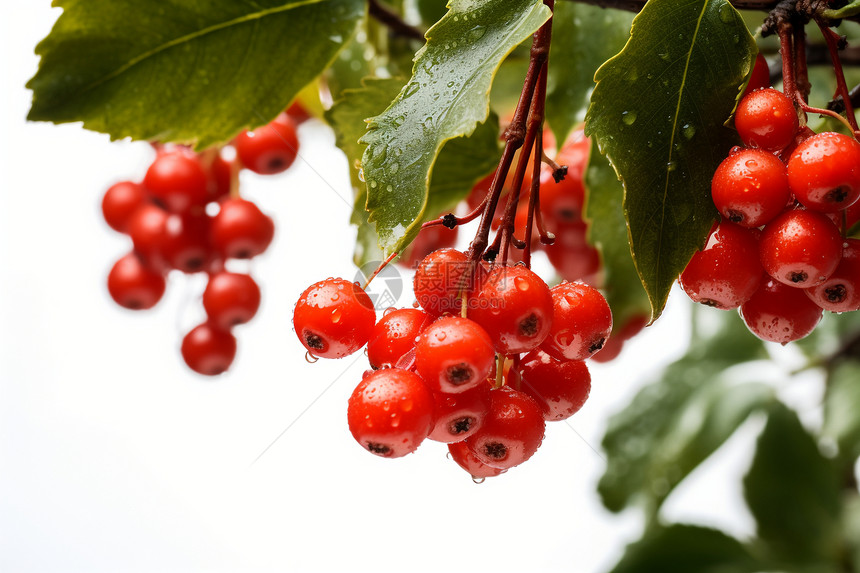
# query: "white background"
{"type": "Point", "coordinates": [114, 457]}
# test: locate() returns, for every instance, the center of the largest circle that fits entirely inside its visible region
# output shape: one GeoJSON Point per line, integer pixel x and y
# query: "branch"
{"type": "Point", "coordinates": [637, 5]}
{"type": "Point", "coordinates": [393, 20]}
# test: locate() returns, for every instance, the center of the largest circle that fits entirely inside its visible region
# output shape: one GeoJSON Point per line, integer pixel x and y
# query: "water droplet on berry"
{"type": "Point", "coordinates": [310, 358]}
{"type": "Point", "coordinates": [521, 283]}
{"type": "Point", "coordinates": [336, 315]}
{"type": "Point", "coordinates": [478, 480]}
{"type": "Point", "coordinates": [440, 336]}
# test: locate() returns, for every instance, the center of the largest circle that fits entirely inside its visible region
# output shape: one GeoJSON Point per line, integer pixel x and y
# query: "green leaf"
{"type": "Point", "coordinates": [687, 549]}
{"type": "Point", "coordinates": [446, 98]}
{"type": "Point", "coordinates": [793, 492]}
{"type": "Point", "coordinates": [842, 408]}
{"type": "Point", "coordinates": [658, 112]}
{"type": "Point", "coordinates": [461, 162]}
{"type": "Point", "coordinates": [676, 422]}
{"type": "Point", "coordinates": [608, 232]}
{"type": "Point", "coordinates": [575, 55]}
{"type": "Point", "coordinates": [196, 71]}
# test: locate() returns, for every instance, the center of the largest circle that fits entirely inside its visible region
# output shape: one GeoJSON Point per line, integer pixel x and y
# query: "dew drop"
{"type": "Point", "coordinates": [671, 166]}
{"type": "Point", "coordinates": [478, 480]}
{"type": "Point", "coordinates": [727, 13]}
{"type": "Point", "coordinates": [410, 90]}
{"type": "Point", "coordinates": [521, 283]}
{"type": "Point", "coordinates": [628, 117]}
{"type": "Point", "coordinates": [310, 358]}
{"type": "Point", "coordinates": [477, 33]}
{"type": "Point", "coordinates": [688, 130]}
{"type": "Point", "coordinates": [336, 315]}
{"type": "Point", "coordinates": [373, 184]}
{"type": "Point", "coordinates": [440, 336]}
{"type": "Point", "coordinates": [394, 167]}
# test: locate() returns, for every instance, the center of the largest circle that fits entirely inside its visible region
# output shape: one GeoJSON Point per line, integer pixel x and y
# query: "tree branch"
{"type": "Point", "coordinates": [637, 5]}
{"type": "Point", "coordinates": [393, 20]}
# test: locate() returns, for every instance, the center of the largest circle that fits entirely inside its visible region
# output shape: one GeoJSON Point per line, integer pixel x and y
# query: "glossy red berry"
{"type": "Point", "coordinates": [208, 350]}
{"type": "Point", "coordinates": [443, 279]}
{"type": "Point", "coordinates": [780, 313]}
{"type": "Point", "coordinates": [185, 245]}
{"type": "Point", "coordinates": [147, 228]}
{"type": "Point", "coordinates": [559, 387]}
{"type": "Point", "coordinates": [394, 335]}
{"type": "Point", "coordinates": [824, 172]}
{"type": "Point", "coordinates": [760, 76]}
{"type": "Point", "coordinates": [334, 318]}
{"type": "Point", "coordinates": [231, 299]}
{"type": "Point", "coordinates": [615, 344]}
{"type": "Point", "coordinates": [390, 412]}
{"type": "Point", "coordinates": [727, 272]}
{"type": "Point", "coordinates": [750, 187]}
{"type": "Point", "coordinates": [562, 202]}
{"type": "Point", "coordinates": [453, 355]}
{"type": "Point", "coordinates": [515, 308]}
{"type": "Point", "coordinates": [800, 248]}
{"type": "Point", "coordinates": [766, 119]}
{"type": "Point", "coordinates": [582, 322]}
{"type": "Point", "coordinates": [458, 416]}
{"type": "Point", "coordinates": [120, 202]}
{"type": "Point", "coordinates": [841, 291]}
{"type": "Point", "coordinates": [240, 230]}
{"type": "Point", "coordinates": [464, 457]}
{"type": "Point", "coordinates": [268, 149]}
{"type": "Point", "coordinates": [512, 431]}
{"type": "Point", "coordinates": [133, 285]}
{"type": "Point", "coordinates": [177, 180]}
{"type": "Point", "coordinates": [220, 178]}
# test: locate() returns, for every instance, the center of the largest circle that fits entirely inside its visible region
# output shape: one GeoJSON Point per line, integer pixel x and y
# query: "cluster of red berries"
{"type": "Point", "coordinates": [489, 357]}
{"type": "Point", "coordinates": [169, 218]}
{"type": "Point", "coordinates": [786, 200]}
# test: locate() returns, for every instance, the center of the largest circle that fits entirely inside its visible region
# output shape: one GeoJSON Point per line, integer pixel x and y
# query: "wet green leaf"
{"type": "Point", "coordinates": [446, 98]}
{"type": "Point", "coordinates": [658, 112]}
{"type": "Point", "coordinates": [196, 71]}
{"type": "Point", "coordinates": [842, 408]}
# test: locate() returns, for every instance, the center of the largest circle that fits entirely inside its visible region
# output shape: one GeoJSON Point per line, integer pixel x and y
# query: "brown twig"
{"type": "Point", "coordinates": [392, 19]}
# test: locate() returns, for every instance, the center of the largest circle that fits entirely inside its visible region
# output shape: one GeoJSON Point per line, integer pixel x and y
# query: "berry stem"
{"type": "Point", "coordinates": [833, 40]}
{"type": "Point", "coordinates": [378, 270]}
{"type": "Point", "coordinates": [514, 136]}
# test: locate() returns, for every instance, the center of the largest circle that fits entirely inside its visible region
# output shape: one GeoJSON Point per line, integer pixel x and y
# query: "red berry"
{"type": "Point", "coordinates": [268, 149]}
{"type": "Point", "coordinates": [231, 299]}
{"type": "Point", "coordinates": [559, 387]}
{"type": "Point", "coordinates": [458, 416]}
{"type": "Point", "coordinates": [147, 228]}
{"type": "Point", "coordinates": [750, 187]}
{"type": "Point", "coordinates": [133, 285]}
{"type": "Point", "coordinates": [390, 412]}
{"type": "Point", "coordinates": [220, 178]}
{"type": "Point", "coordinates": [800, 248]}
{"type": "Point", "coordinates": [760, 76]}
{"type": "Point", "coordinates": [562, 202]}
{"type": "Point", "coordinates": [453, 355]}
{"type": "Point", "coordinates": [512, 431]}
{"type": "Point", "coordinates": [824, 172]}
{"type": "Point", "coordinates": [766, 119]}
{"type": "Point", "coordinates": [334, 318]}
{"type": "Point", "coordinates": [779, 313]}
{"type": "Point", "coordinates": [582, 322]}
{"type": "Point", "coordinates": [727, 272]}
{"type": "Point", "coordinates": [208, 350]}
{"type": "Point", "coordinates": [515, 308]}
{"type": "Point", "coordinates": [177, 180]}
{"type": "Point", "coordinates": [298, 113]}
{"type": "Point", "coordinates": [240, 230]}
{"type": "Point", "coordinates": [185, 244]}
{"type": "Point", "coordinates": [120, 202]}
{"type": "Point", "coordinates": [394, 335]}
{"type": "Point", "coordinates": [464, 457]}
{"type": "Point", "coordinates": [443, 279]}
{"type": "Point", "coordinates": [841, 292]}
